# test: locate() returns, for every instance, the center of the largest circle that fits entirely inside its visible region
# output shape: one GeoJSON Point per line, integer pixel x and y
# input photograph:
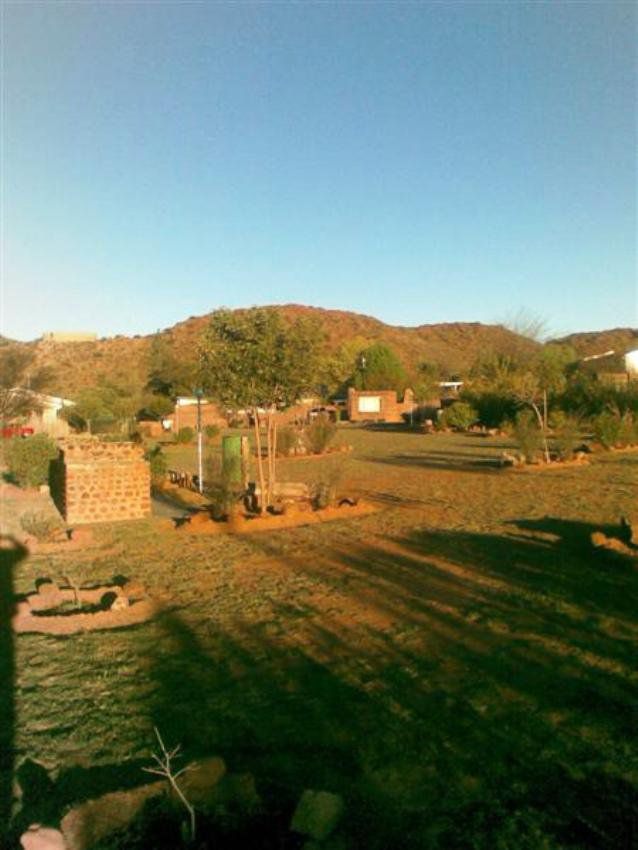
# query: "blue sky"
{"type": "Point", "coordinates": [419, 162]}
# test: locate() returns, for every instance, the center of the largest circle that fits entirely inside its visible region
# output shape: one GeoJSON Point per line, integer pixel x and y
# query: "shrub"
{"type": "Point", "coordinates": [628, 431]}
{"type": "Point", "coordinates": [607, 428]}
{"type": "Point", "coordinates": [28, 459]}
{"type": "Point", "coordinates": [287, 439]}
{"type": "Point", "coordinates": [211, 431]}
{"type": "Point", "coordinates": [567, 434]}
{"type": "Point", "coordinates": [325, 489]}
{"type": "Point", "coordinates": [157, 460]}
{"type": "Point", "coordinates": [318, 435]}
{"type": "Point", "coordinates": [459, 415]}
{"type": "Point", "coordinates": [527, 434]}
{"type": "Point", "coordinates": [41, 525]}
{"type": "Point", "coordinates": [185, 435]}
{"type": "Point", "coordinates": [493, 409]}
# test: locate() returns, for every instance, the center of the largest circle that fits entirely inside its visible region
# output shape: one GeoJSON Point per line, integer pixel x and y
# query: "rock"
{"type": "Point", "coordinates": [42, 838]}
{"type": "Point", "coordinates": [201, 779]}
{"type": "Point", "coordinates": [630, 525]}
{"type": "Point", "coordinates": [119, 603]}
{"type": "Point", "coordinates": [508, 459]}
{"type": "Point", "coordinates": [90, 822]}
{"type": "Point", "coordinates": [601, 541]}
{"type": "Point", "coordinates": [317, 814]}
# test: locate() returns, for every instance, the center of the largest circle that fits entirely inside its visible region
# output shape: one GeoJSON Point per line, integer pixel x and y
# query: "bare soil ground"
{"type": "Point", "coordinates": [459, 664]}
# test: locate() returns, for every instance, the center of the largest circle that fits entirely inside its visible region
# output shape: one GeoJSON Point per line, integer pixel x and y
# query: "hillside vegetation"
{"type": "Point", "coordinates": [456, 345]}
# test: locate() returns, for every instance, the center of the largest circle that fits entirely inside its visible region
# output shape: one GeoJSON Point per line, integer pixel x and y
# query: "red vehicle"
{"type": "Point", "coordinates": [16, 431]}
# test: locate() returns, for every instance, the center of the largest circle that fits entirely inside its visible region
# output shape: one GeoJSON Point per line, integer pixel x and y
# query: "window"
{"type": "Point", "coordinates": [369, 404]}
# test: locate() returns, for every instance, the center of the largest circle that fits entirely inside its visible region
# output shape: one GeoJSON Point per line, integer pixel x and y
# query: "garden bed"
{"type": "Point", "coordinates": [294, 515]}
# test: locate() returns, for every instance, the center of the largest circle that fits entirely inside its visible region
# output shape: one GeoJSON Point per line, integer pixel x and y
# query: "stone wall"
{"type": "Point", "coordinates": [96, 481]}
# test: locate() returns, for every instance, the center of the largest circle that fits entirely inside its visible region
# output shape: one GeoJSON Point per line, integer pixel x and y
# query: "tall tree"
{"type": "Point", "coordinates": [168, 375]}
{"type": "Point", "coordinates": [379, 368]}
{"type": "Point", "coordinates": [20, 382]}
{"type": "Point", "coordinates": [251, 359]}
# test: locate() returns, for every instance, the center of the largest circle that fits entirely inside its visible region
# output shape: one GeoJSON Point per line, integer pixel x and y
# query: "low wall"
{"type": "Point", "coordinates": [96, 481]}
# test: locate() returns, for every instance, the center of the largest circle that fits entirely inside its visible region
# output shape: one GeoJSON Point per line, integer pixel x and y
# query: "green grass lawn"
{"type": "Point", "coordinates": [460, 665]}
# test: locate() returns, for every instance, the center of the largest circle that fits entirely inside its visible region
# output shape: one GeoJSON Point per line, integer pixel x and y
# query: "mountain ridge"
{"type": "Point", "coordinates": [455, 345]}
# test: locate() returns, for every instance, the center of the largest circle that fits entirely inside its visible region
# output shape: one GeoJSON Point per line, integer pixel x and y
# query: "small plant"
{"type": "Point", "coordinates": [607, 428]}
{"type": "Point", "coordinates": [185, 435]}
{"type": "Point", "coordinates": [157, 460]}
{"type": "Point", "coordinates": [40, 525]}
{"type": "Point", "coordinates": [528, 435]}
{"type": "Point", "coordinates": [29, 458]}
{"type": "Point", "coordinates": [287, 440]}
{"type": "Point", "coordinates": [211, 431]}
{"type": "Point", "coordinates": [567, 434]}
{"type": "Point", "coordinates": [319, 434]}
{"type": "Point", "coordinates": [164, 768]}
{"type": "Point", "coordinates": [326, 488]}
{"type": "Point", "coordinates": [459, 416]}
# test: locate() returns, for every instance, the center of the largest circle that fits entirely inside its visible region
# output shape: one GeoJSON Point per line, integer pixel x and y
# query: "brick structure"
{"type": "Point", "coordinates": [95, 481]}
{"type": "Point", "coordinates": [185, 414]}
{"type": "Point", "coordinates": [379, 405]}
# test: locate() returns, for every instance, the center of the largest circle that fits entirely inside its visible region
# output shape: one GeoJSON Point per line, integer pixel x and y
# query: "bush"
{"type": "Point", "coordinates": [29, 458]}
{"type": "Point", "coordinates": [211, 431]}
{"type": "Point", "coordinates": [287, 440]}
{"type": "Point", "coordinates": [493, 409]}
{"type": "Point", "coordinates": [607, 429]}
{"type": "Point", "coordinates": [40, 525]}
{"type": "Point", "coordinates": [567, 434]}
{"type": "Point", "coordinates": [157, 460]}
{"type": "Point", "coordinates": [628, 431]}
{"type": "Point", "coordinates": [528, 435]}
{"type": "Point", "coordinates": [318, 435]}
{"type": "Point", "coordinates": [459, 415]}
{"type": "Point", "coordinates": [185, 435]}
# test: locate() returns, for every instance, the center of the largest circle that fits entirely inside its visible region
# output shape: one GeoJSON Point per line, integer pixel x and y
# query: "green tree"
{"type": "Point", "coordinates": [426, 382]}
{"type": "Point", "coordinates": [20, 382]}
{"type": "Point", "coordinates": [336, 370]}
{"type": "Point", "coordinates": [251, 359]}
{"type": "Point", "coordinates": [106, 401]}
{"type": "Point", "coordinates": [168, 375]}
{"type": "Point", "coordinates": [379, 368]}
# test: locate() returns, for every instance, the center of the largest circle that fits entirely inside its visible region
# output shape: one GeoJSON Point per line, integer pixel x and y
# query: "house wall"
{"type": "Point", "coordinates": [48, 422]}
{"type": "Point", "coordinates": [96, 481]}
{"type": "Point", "coordinates": [390, 408]}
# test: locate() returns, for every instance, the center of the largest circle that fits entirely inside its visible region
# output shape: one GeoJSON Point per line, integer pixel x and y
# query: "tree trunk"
{"type": "Point", "coordinates": [539, 416]}
{"type": "Point", "coordinates": [269, 454]}
{"type": "Point", "coordinates": [545, 409]}
{"type": "Point", "coordinates": [274, 452]}
{"type": "Point", "coordinates": [260, 463]}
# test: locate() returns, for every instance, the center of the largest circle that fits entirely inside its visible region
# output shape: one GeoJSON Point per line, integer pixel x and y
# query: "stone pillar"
{"type": "Point", "coordinates": [103, 481]}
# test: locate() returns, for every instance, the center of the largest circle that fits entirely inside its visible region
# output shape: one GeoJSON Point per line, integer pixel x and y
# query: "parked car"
{"type": "Point", "coordinates": [16, 431]}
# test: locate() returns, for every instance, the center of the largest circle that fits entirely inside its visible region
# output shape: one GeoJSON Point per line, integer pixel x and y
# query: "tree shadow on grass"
{"type": "Point", "coordinates": [458, 689]}
{"type": "Point", "coordinates": [447, 460]}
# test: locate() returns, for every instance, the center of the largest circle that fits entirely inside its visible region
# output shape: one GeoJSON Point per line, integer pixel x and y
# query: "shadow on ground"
{"type": "Point", "coordinates": [460, 690]}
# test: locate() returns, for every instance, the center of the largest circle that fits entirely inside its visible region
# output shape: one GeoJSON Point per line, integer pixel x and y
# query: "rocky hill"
{"type": "Point", "coordinates": [619, 340]}
{"type": "Point", "coordinates": [124, 360]}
